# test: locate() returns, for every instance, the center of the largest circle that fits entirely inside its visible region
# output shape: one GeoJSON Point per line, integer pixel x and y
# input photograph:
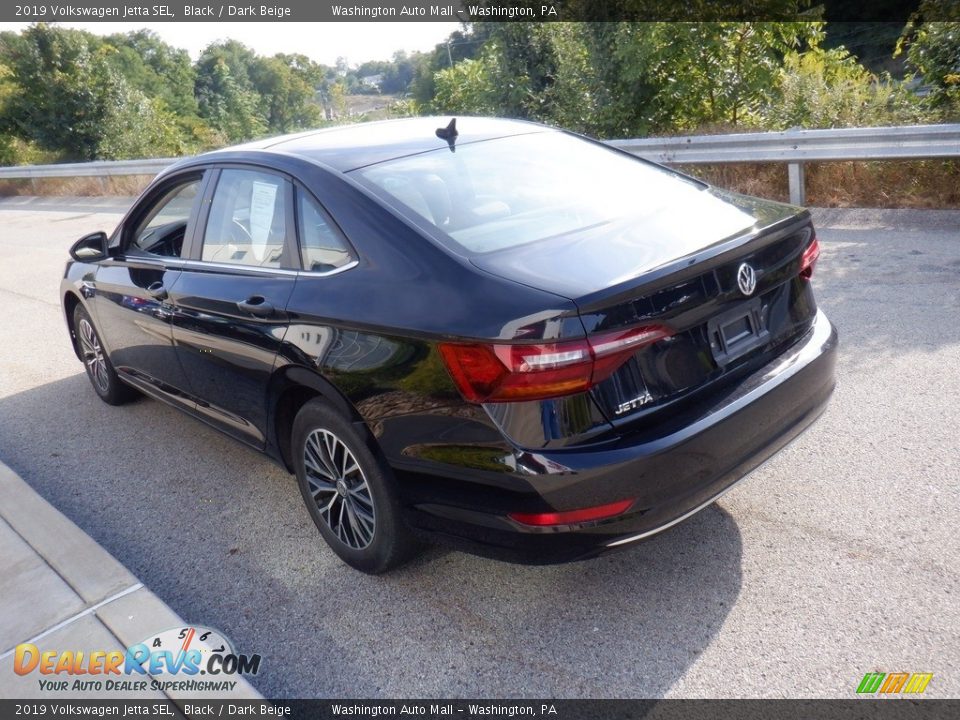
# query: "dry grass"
{"type": "Point", "coordinates": [888, 184]}
{"type": "Point", "coordinates": [120, 185]}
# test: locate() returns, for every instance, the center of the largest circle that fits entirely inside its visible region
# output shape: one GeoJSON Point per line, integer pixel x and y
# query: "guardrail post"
{"type": "Point", "coordinates": [798, 192]}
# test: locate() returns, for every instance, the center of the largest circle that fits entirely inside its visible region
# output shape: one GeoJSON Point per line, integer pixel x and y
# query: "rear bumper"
{"type": "Point", "coordinates": [673, 471]}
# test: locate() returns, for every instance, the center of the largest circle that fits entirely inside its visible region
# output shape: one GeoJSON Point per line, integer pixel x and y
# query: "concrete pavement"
{"type": "Point", "coordinates": [837, 557]}
{"type": "Point", "coordinates": [62, 591]}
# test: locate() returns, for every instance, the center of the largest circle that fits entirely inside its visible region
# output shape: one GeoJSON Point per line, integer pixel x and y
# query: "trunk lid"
{"type": "Point", "coordinates": [603, 259]}
{"type": "Point", "coordinates": [679, 268]}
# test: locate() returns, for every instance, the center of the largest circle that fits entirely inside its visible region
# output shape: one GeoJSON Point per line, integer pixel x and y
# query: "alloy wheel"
{"type": "Point", "coordinates": [93, 356]}
{"type": "Point", "coordinates": [339, 488]}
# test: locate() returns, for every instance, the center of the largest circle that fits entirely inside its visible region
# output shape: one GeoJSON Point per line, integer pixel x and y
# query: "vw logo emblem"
{"type": "Point", "coordinates": [746, 279]}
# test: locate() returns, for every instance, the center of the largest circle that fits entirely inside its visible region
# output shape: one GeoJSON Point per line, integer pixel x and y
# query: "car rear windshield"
{"type": "Point", "coordinates": [511, 191]}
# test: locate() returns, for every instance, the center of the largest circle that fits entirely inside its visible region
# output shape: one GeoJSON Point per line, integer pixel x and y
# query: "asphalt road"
{"type": "Point", "coordinates": [837, 557]}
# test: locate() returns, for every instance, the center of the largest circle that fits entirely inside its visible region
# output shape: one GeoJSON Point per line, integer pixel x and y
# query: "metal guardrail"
{"type": "Point", "coordinates": [86, 169]}
{"type": "Point", "coordinates": [794, 147]}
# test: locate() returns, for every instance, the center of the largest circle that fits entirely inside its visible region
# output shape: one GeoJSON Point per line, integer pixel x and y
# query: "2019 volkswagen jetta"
{"type": "Point", "coordinates": [495, 332]}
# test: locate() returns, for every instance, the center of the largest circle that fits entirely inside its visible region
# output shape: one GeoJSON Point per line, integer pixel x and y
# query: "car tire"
{"type": "Point", "coordinates": [106, 383]}
{"type": "Point", "coordinates": [349, 491]}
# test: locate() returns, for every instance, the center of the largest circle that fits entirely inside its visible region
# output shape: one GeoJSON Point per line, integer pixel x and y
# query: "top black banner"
{"type": "Point", "coordinates": [469, 11]}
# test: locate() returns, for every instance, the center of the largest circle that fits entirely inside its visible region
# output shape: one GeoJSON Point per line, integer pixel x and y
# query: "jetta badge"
{"type": "Point", "coordinates": [746, 279]}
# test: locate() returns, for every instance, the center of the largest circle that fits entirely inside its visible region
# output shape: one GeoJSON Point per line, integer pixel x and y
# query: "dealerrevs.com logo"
{"type": "Point", "coordinates": [188, 659]}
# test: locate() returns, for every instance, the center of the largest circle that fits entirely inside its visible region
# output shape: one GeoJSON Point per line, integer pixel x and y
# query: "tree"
{"type": "Point", "coordinates": [829, 88]}
{"type": "Point", "coordinates": [64, 93]}
{"type": "Point", "coordinates": [399, 73]}
{"type": "Point", "coordinates": [137, 126]}
{"type": "Point", "coordinates": [467, 88]}
{"type": "Point", "coordinates": [682, 75]}
{"type": "Point", "coordinates": [424, 66]}
{"type": "Point", "coordinates": [286, 86]}
{"type": "Point", "coordinates": [62, 89]}
{"type": "Point", "coordinates": [226, 96]}
{"type": "Point", "coordinates": [540, 72]}
{"type": "Point", "coordinates": [227, 102]}
{"type": "Point", "coordinates": [625, 78]}
{"type": "Point", "coordinates": [933, 51]}
{"type": "Point", "coordinates": [156, 69]}
{"type": "Point", "coordinates": [7, 152]}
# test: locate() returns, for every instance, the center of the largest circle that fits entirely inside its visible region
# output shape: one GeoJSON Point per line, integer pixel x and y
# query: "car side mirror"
{"type": "Point", "coordinates": [90, 248]}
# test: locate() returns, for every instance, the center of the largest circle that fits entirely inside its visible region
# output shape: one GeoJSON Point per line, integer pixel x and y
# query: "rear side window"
{"type": "Point", "coordinates": [322, 247]}
{"type": "Point", "coordinates": [248, 220]}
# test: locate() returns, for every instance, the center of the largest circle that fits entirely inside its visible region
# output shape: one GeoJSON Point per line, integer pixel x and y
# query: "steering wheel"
{"type": "Point", "coordinates": [239, 234]}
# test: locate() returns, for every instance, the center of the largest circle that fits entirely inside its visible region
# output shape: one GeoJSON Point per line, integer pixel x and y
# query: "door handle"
{"type": "Point", "coordinates": [157, 291]}
{"type": "Point", "coordinates": [256, 305]}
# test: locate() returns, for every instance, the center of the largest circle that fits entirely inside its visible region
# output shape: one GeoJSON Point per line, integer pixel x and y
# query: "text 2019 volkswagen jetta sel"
{"type": "Point", "coordinates": [491, 332]}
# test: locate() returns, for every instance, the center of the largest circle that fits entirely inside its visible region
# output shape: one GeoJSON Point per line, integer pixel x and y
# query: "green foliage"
{"type": "Point", "coordinates": [72, 95]}
{"type": "Point", "coordinates": [398, 74]}
{"type": "Point", "coordinates": [408, 107]}
{"type": "Point", "coordinates": [615, 79]}
{"type": "Point", "coordinates": [678, 76]}
{"type": "Point", "coordinates": [68, 94]}
{"type": "Point", "coordinates": [225, 94]}
{"type": "Point", "coordinates": [337, 93]}
{"type": "Point", "coordinates": [829, 88]}
{"type": "Point", "coordinates": [544, 72]}
{"type": "Point", "coordinates": [459, 46]}
{"type": "Point", "coordinates": [628, 79]}
{"type": "Point", "coordinates": [17, 151]}
{"type": "Point", "coordinates": [156, 69]}
{"type": "Point", "coordinates": [467, 88]}
{"type": "Point", "coordinates": [227, 103]}
{"type": "Point", "coordinates": [136, 126]}
{"type": "Point", "coordinates": [63, 88]}
{"type": "Point", "coordinates": [933, 51]}
{"type": "Point", "coordinates": [536, 71]}
{"type": "Point", "coordinates": [243, 95]}
{"type": "Point", "coordinates": [8, 153]}
{"type": "Point", "coordinates": [286, 84]}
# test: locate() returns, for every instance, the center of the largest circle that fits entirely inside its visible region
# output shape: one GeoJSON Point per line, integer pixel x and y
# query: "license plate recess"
{"type": "Point", "coordinates": [738, 331]}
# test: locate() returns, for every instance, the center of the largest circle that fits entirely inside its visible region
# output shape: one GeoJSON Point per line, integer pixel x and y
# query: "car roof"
{"type": "Point", "coordinates": [348, 147]}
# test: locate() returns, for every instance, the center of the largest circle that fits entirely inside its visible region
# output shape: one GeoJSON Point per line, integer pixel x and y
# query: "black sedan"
{"type": "Point", "coordinates": [489, 332]}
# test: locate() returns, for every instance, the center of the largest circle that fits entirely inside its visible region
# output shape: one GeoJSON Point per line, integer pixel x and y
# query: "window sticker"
{"type": "Point", "coordinates": [263, 200]}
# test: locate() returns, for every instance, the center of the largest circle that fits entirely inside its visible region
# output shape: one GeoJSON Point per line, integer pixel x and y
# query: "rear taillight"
{"type": "Point", "coordinates": [504, 373]}
{"type": "Point", "coordinates": [809, 259]}
{"type": "Point", "coordinates": [571, 517]}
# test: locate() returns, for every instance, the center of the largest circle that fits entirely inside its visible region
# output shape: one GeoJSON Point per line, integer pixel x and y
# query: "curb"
{"type": "Point", "coordinates": [60, 583]}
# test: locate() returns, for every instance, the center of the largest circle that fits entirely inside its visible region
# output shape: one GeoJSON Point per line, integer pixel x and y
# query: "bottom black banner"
{"type": "Point", "coordinates": [865, 709]}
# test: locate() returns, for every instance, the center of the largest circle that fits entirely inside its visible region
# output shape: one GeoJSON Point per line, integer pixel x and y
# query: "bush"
{"type": "Point", "coordinates": [933, 50]}
{"type": "Point", "coordinates": [829, 88]}
{"type": "Point", "coordinates": [467, 88]}
{"type": "Point", "coordinates": [134, 126]}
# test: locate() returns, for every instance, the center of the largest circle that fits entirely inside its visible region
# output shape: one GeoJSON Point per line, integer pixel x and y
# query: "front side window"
{"type": "Point", "coordinates": [162, 228]}
{"type": "Point", "coordinates": [247, 224]}
{"type": "Point", "coordinates": [322, 247]}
